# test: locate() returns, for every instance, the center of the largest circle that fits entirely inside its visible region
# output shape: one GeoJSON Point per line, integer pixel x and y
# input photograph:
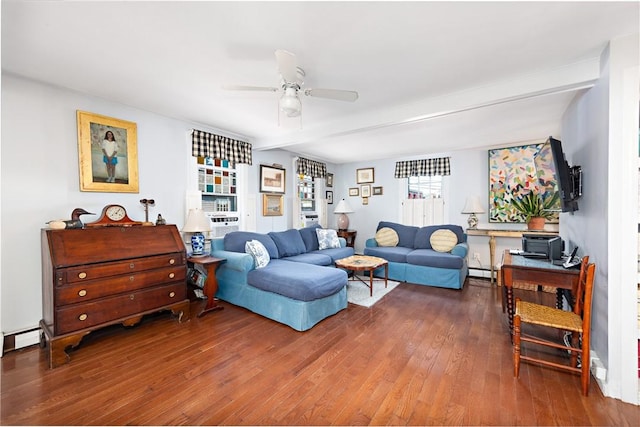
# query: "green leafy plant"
{"type": "Point", "coordinates": [532, 205]}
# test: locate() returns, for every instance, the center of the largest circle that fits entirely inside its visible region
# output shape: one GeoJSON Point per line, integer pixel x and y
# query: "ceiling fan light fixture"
{"type": "Point", "coordinates": [290, 103]}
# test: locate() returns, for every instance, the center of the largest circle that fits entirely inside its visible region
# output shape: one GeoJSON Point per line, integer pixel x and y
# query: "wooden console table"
{"type": "Point", "coordinates": [492, 234]}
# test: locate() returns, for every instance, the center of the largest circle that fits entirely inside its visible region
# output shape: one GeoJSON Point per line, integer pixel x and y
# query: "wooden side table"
{"type": "Point", "coordinates": [349, 236]}
{"type": "Point", "coordinates": [211, 285]}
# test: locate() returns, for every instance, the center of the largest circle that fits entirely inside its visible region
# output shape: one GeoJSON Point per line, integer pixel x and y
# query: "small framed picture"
{"type": "Point", "coordinates": [272, 179]}
{"type": "Point", "coordinates": [377, 191]}
{"type": "Point", "coordinates": [365, 190]}
{"type": "Point", "coordinates": [365, 200]}
{"type": "Point", "coordinates": [329, 180]}
{"type": "Point", "coordinates": [354, 191]}
{"type": "Point", "coordinates": [330, 197]}
{"type": "Point", "coordinates": [364, 176]}
{"type": "Point", "coordinates": [272, 204]}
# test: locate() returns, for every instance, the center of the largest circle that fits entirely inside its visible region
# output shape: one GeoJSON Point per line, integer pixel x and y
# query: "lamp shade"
{"type": "Point", "coordinates": [343, 207]}
{"type": "Point", "coordinates": [473, 205]}
{"type": "Point", "coordinates": [197, 222]}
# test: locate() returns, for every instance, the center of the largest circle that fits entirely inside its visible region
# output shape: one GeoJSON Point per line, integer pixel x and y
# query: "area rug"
{"type": "Point", "coordinates": [358, 292]}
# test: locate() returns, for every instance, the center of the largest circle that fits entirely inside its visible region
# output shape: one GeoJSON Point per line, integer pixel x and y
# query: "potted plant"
{"type": "Point", "coordinates": [536, 209]}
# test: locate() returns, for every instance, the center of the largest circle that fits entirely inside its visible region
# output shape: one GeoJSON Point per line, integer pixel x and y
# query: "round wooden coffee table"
{"type": "Point", "coordinates": [365, 263]}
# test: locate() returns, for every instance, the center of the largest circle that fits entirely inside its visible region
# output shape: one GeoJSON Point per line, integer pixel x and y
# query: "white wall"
{"type": "Point", "coordinates": [600, 133]}
{"type": "Point", "coordinates": [39, 180]}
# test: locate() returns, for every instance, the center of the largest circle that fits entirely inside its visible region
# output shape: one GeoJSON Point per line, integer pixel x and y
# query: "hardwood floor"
{"type": "Point", "coordinates": [421, 356]}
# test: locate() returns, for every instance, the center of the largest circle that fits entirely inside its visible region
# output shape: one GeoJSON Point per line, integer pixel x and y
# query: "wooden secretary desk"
{"type": "Point", "coordinates": [102, 276]}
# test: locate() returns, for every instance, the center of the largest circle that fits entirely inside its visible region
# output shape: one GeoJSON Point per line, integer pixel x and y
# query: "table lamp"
{"type": "Point", "coordinates": [473, 207]}
{"type": "Point", "coordinates": [343, 208]}
{"type": "Point", "coordinates": [197, 223]}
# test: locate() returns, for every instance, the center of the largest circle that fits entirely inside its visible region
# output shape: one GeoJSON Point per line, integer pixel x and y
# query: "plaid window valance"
{"type": "Point", "coordinates": [311, 168]}
{"type": "Point", "coordinates": [423, 167]}
{"type": "Point", "coordinates": [205, 144]}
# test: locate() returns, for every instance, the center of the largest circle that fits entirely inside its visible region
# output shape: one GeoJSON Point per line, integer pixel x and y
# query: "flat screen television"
{"type": "Point", "coordinates": [568, 179]}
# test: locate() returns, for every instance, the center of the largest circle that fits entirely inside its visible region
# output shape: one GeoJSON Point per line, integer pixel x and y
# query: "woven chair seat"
{"type": "Point", "coordinates": [548, 316]}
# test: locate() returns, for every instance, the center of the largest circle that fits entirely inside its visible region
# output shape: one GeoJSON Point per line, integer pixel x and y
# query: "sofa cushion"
{"type": "Point", "coordinates": [302, 282]}
{"type": "Point", "coordinates": [423, 236]}
{"type": "Point", "coordinates": [390, 253]}
{"type": "Point", "coordinates": [406, 233]}
{"type": "Point", "coordinates": [315, 258]}
{"type": "Point", "coordinates": [443, 240]}
{"type": "Point", "coordinates": [258, 252]}
{"type": "Point", "coordinates": [387, 237]}
{"type": "Point", "coordinates": [288, 242]}
{"type": "Point", "coordinates": [336, 253]}
{"type": "Point", "coordinates": [236, 240]}
{"type": "Point", "coordinates": [310, 237]}
{"type": "Point", "coordinates": [327, 238]}
{"type": "Point", "coordinates": [431, 258]}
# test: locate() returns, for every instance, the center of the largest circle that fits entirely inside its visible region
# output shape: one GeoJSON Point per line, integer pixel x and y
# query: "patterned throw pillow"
{"type": "Point", "coordinates": [443, 240]}
{"type": "Point", "coordinates": [387, 237]}
{"type": "Point", "coordinates": [258, 252]}
{"type": "Point", "coordinates": [327, 238]}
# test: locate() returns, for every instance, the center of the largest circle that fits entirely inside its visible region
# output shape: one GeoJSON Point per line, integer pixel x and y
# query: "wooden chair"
{"type": "Point", "coordinates": [576, 322]}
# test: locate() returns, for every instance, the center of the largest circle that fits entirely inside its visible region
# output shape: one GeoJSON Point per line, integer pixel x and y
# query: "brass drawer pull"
{"type": "Point", "coordinates": [132, 266]}
{"type": "Point", "coordinates": [131, 297]}
{"type": "Point", "coordinates": [172, 261]}
{"type": "Point", "coordinates": [132, 278]}
{"type": "Point", "coordinates": [172, 275]}
{"type": "Point", "coordinates": [172, 294]}
{"type": "Point", "coordinates": [83, 317]}
{"type": "Point", "coordinates": [82, 275]}
{"type": "Point", "coordinates": [82, 292]}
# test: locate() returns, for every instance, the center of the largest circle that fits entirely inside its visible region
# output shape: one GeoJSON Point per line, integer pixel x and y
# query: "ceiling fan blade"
{"type": "Point", "coordinates": [339, 95]}
{"type": "Point", "coordinates": [287, 65]}
{"type": "Point", "coordinates": [254, 88]}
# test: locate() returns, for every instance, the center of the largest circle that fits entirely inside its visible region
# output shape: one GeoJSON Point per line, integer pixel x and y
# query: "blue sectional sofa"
{"type": "Point", "coordinates": [298, 287]}
{"type": "Point", "coordinates": [414, 260]}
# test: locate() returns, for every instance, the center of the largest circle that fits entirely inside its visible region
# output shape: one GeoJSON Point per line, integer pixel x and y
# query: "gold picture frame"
{"type": "Point", "coordinates": [99, 172]}
{"type": "Point", "coordinates": [272, 204]}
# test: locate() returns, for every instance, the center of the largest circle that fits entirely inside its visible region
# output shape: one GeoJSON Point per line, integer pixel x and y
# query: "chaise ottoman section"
{"type": "Point", "coordinates": [302, 282]}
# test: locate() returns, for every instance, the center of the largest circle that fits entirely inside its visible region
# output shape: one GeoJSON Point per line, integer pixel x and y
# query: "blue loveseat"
{"type": "Point", "coordinates": [414, 260]}
{"type": "Point", "coordinates": [299, 286]}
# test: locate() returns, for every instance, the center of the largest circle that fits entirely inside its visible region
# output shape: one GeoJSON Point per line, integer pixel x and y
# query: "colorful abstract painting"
{"type": "Point", "coordinates": [512, 173]}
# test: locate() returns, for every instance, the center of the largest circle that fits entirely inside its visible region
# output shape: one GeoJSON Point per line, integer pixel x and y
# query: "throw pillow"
{"type": "Point", "coordinates": [258, 252]}
{"type": "Point", "coordinates": [387, 237]}
{"type": "Point", "coordinates": [443, 240]}
{"type": "Point", "coordinates": [327, 238]}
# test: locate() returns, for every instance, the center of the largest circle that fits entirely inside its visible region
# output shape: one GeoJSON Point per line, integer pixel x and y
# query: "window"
{"type": "Point", "coordinates": [425, 201]}
{"type": "Point", "coordinates": [424, 187]}
{"type": "Point", "coordinates": [306, 193]}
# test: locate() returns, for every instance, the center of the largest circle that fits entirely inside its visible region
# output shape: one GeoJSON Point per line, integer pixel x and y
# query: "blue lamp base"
{"type": "Point", "coordinates": [197, 244]}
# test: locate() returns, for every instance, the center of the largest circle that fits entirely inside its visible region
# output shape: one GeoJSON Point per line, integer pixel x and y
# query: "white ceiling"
{"type": "Point", "coordinates": [432, 76]}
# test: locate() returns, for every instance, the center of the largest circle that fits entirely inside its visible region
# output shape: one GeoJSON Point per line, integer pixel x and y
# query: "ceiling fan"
{"type": "Point", "coordinates": [292, 86]}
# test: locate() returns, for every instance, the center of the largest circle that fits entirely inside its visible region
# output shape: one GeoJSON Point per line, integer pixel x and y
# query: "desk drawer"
{"type": "Point", "coordinates": [92, 289]}
{"type": "Point", "coordinates": [83, 273]}
{"type": "Point", "coordinates": [80, 316]}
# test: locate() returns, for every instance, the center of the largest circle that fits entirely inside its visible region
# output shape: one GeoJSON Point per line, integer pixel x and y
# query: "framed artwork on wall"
{"type": "Point", "coordinates": [365, 200]}
{"type": "Point", "coordinates": [354, 191]}
{"type": "Point", "coordinates": [365, 190]}
{"type": "Point", "coordinates": [377, 191]}
{"type": "Point", "coordinates": [330, 197]}
{"type": "Point", "coordinates": [272, 179]}
{"type": "Point", "coordinates": [329, 180]}
{"type": "Point", "coordinates": [512, 174]}
{"type": "Point", "coordinates": [108, 154]}
{"type": "Point", "coordinates": [364, 176]}
{"type": "Point", "coordinates": [272, 204]}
